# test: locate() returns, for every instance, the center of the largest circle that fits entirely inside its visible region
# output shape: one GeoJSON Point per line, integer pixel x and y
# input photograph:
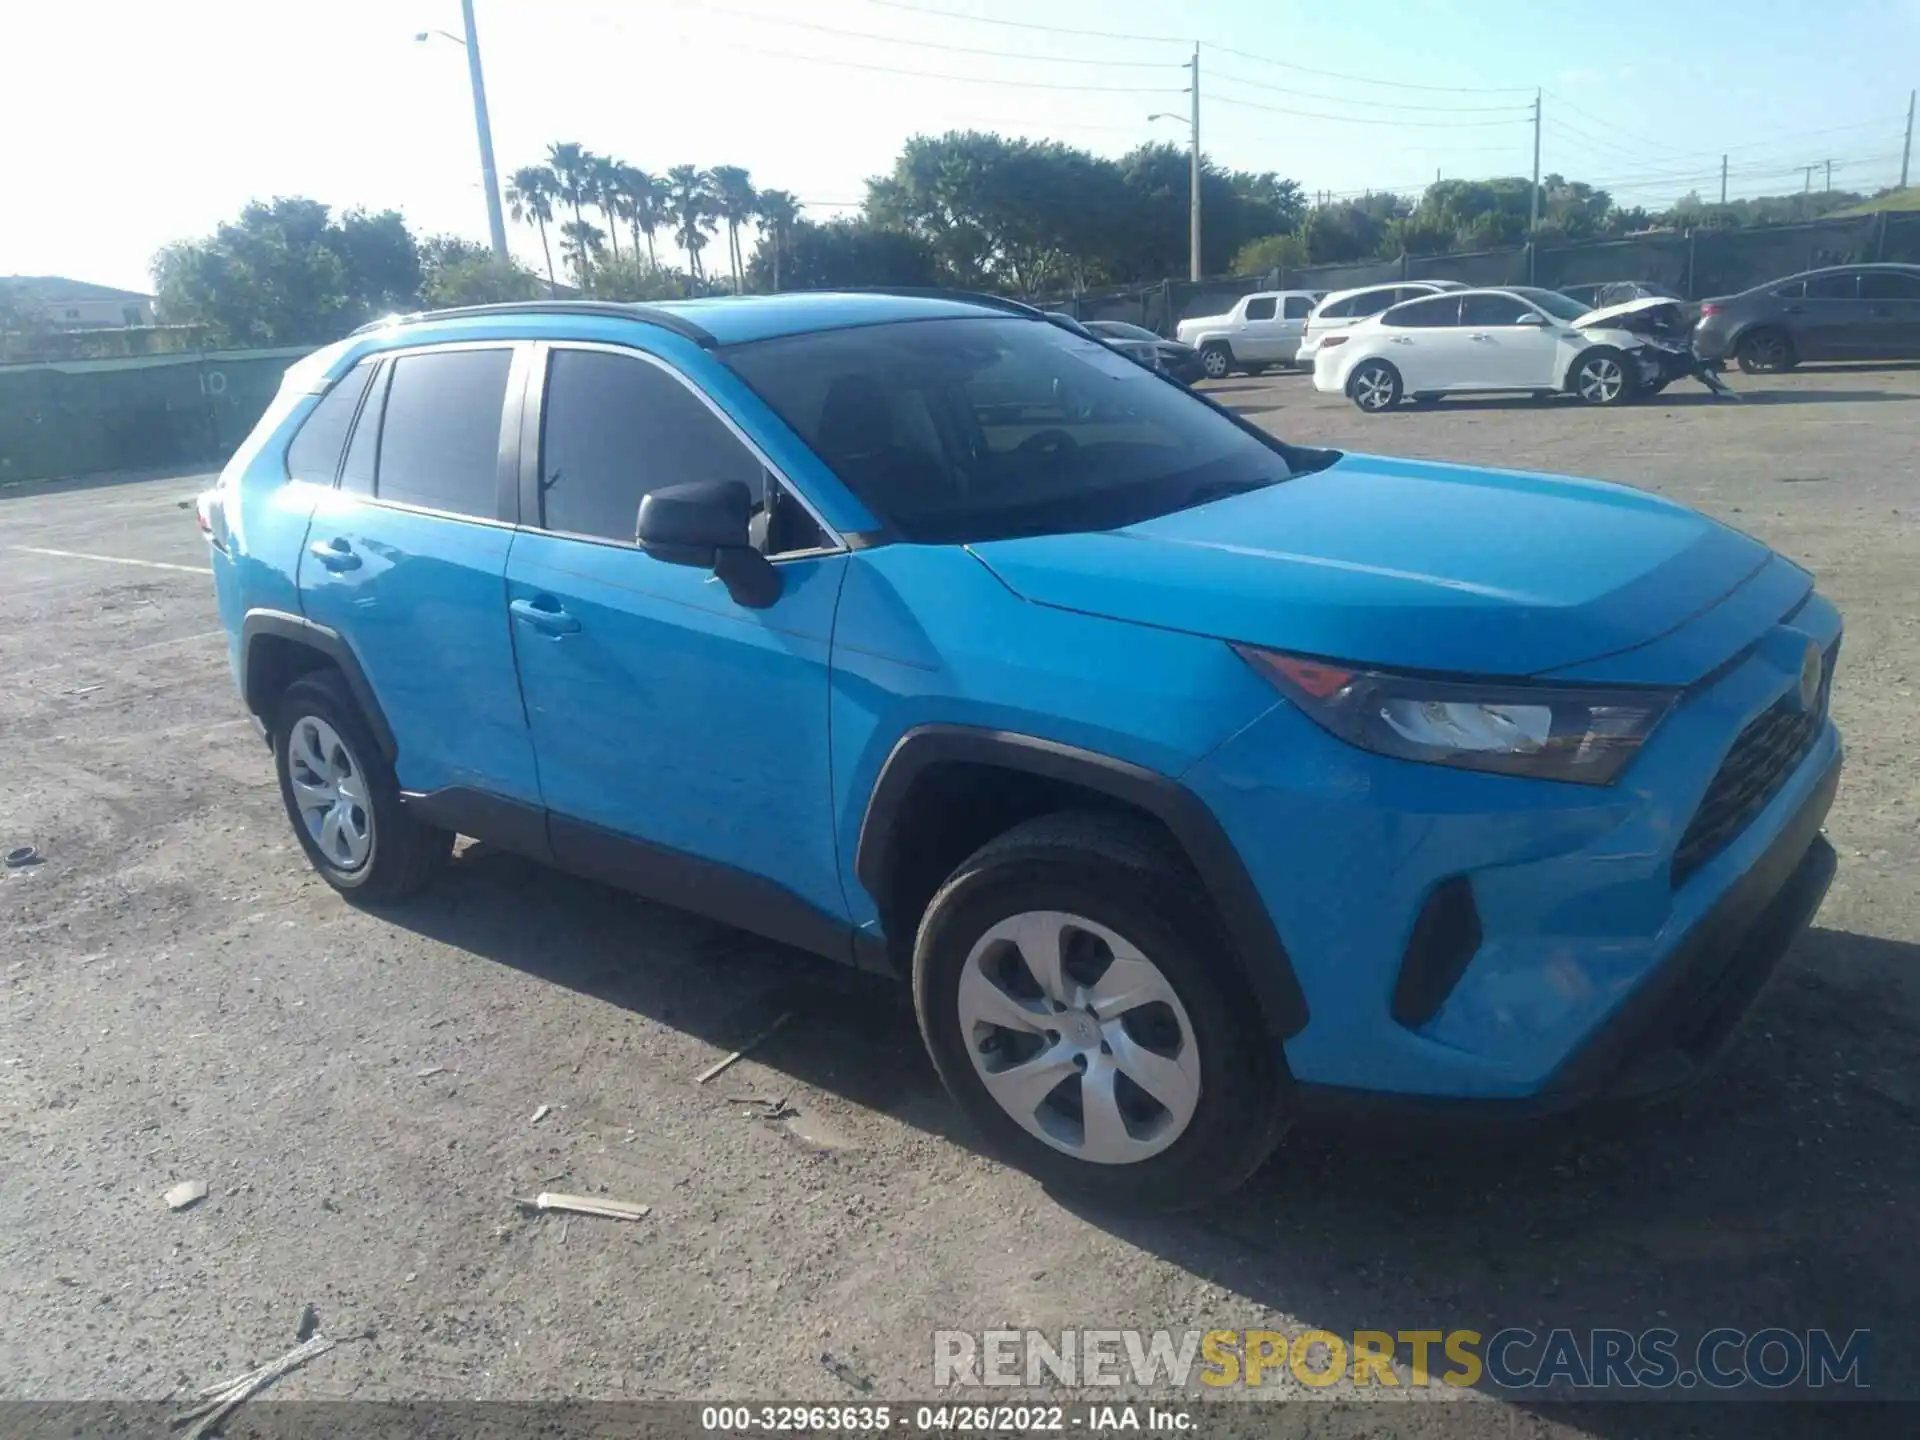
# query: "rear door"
{"type": "Point", "coordinates": [1827, 321]}
{"type": "Point", "coordinates": [1425, 344]}
{"type": "Point", "coordinates": [1891, 299]}
{"type": "Point", "coordinates": [1294, 310]}
{"type": "Point", "coordinates": [406, 559]}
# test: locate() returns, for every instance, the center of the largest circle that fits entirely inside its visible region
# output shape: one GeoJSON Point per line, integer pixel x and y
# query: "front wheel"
{"type": "Point", "coordinates": [1600, 377]}
{"type": "Point", "coordinates": [1374, 386]}
{"type": "Point", "coordinates": [1216, 361]}
{"type": "Point", "coordinates": [1072, 987]}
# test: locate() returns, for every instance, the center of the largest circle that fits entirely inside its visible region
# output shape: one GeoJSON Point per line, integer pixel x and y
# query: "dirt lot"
{"type": "Point", "coordinates": [182, 1000]}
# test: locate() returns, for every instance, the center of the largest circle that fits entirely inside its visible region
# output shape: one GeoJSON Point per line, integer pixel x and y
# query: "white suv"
{"type": "Point", "coordinates": [1344, 309]}
{"type": "Point", "coordinates": [1260, 330]}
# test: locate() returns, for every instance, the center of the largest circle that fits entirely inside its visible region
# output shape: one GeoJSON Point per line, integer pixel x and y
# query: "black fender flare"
{"type": "Point", "coordinates": [1263, 958]}
{"type": "Point", "coordinates": [301, 631]}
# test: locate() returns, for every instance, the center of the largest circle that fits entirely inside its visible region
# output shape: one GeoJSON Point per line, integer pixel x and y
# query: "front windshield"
{"type": "Point", "coordinates": [1561, 307]}
{"type": "Point", "coordinates": [971, 429]}
{"type": "Point", "coordinates": [1120, 330]}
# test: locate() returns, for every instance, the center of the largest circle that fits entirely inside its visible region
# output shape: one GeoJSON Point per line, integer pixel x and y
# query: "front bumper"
{"type": "Point", "coordinates": [1594, 965]}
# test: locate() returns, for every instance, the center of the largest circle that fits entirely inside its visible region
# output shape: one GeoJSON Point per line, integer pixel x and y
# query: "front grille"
{"type": "Point", "coordinates": [1768, 751]}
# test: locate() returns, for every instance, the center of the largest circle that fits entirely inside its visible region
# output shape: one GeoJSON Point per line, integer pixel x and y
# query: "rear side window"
{"type": "Point", "coordinates": [356, 475]}
{"type": "Point", "coordinates": [440, 445]}
{"type": "Point", "coordinates": [315, 452]}
{"type": "Point", "coordinates": [1338, 309]}
{"type": "Point", "coordinates": [1299, 307]}
{"type": "Point", "coordinates": [614, 428]}
{"type": "Point", "coordinates": [1494, 310]}
{"type": "Point", "coordinates": [1844, 286]}
{"type": "Point", "coordinates": [1889, 285]}
{"type": "Point", "coordinates": [1424, 314]}
{"type": "Point", "coordinates": [1791, 291]}
{"type": "Point", "coordinates": [1261, 308]}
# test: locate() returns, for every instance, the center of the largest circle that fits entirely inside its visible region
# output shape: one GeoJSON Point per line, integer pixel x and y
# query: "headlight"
{"type": "Point", "coordinates": [1547, 732]}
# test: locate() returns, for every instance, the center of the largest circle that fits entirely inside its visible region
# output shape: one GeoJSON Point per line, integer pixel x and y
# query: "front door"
{"type": "Point", "coordinates": [1259, 337]}
{"type": "Point", "coordinates": [406, 558]}
{"type": "Point", "coordinates": [1891, 300]}
{"type": "Point", "coordinates": [1826, 322]}
{"type": "Point", "coordinates": [1426, 344]}
{"type": "Point", "coordinates": [681, 737]}
{"type": "Point", "coordinates": [1509, 344]}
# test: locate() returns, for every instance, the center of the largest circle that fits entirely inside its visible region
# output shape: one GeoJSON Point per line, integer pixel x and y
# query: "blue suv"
{"type": "Point", "coordinates": [1191, 778]}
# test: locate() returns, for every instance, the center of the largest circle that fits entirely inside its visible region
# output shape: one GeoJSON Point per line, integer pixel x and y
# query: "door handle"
{"type": "Point", "coordinates": [1794, 310]}
{"type": "Point", "coordinates": [548, 619]}
{"type": "Point", "coordinates": [334, 554]}
{"type": "Point", "coordinates": [1402, 339]}
{"type": "Point", "coordinates": [1479, 335]}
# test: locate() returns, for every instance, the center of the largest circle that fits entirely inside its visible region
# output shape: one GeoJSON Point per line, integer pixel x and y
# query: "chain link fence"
{"type": "Point", "coordinates": [84, 417]}
{"type": "Point", "coordinates": [1696, 263]}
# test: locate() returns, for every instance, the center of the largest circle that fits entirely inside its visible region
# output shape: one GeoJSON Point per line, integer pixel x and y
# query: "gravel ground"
{"type": "Point", "coordinates": [363, 1096]}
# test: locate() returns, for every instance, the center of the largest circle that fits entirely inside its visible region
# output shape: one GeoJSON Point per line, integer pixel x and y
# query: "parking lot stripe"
{"type": "Point", "coordinates": [113, 559]}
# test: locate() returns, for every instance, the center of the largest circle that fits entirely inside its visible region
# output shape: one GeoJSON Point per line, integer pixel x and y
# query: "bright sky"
{"type": "Point", "coordinates": [129, 123]}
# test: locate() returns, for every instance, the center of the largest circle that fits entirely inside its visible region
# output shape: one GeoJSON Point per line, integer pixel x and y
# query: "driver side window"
{"type": "Point", "coordinates": [615, 427]}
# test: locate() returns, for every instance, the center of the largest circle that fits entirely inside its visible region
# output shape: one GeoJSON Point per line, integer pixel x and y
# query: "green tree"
{"type": "Point", "coordinates": [580, 247]}
{"type": "Point", "coordinates": [733, 201]}
{"type": "Point", "coordinates": [603, 184]}
{"type": "Point", "coordinates": [634, 278]}
{"type": "Point", "coordinates": [1267, 254]}
{"type": "Point", "coordinates": [690, 209]}
{"type": "Point", "coordinates": [530, 194]}
{"type": "Point", "coordinates": [845, 253]}
{"type": "Point", "coordinates": [573, 168]}
{"type": "Point", "coordinates": [278, 275]}
{"type": "Point", "coordinates": [779, 212]}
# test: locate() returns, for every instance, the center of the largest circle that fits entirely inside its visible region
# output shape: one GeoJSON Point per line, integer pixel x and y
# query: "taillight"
{"type": "Point", "coordinates": [209, 513]}
{"type": "Point", "coordinates": [1709, 309]}
{"type": "Point", "coordinates": [1333, 340]}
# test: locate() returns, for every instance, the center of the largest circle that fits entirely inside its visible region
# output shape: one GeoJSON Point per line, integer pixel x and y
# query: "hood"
{"type": "Point", "coordinates": [1609, 314]}
{"type": "Point", "coordinates": [1414, 565]}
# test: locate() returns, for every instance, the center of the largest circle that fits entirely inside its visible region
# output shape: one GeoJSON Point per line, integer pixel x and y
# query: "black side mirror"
{"type": "Point", "coordinates": [705, 524]}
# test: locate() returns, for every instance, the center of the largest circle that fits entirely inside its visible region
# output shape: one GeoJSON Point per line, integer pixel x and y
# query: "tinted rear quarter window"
{"type": "Point", "coordinates": [1338, 309]}
{"type": "Point", "coordinates": [440, 443]}
{"type": "Point", "coordinates": [1299, 307]}
{"type": "Point", "coordinates": [356, 474]}
{"type": "Point", "coordinates": [1845, 286]}
{"type": "Point", "coordinates": [613, 428]}
{"type": "Point", "coordinates": [1261, 308]}
{"type": "Point", "coordinates": [1793, 290]}
{"type": "Point", "coordinates": [315, 452]}
{"type": "Point", "coordinates": [1493, 310]}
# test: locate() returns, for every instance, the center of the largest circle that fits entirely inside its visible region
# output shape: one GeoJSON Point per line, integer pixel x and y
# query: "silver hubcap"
{"type": "Point", "coordinates": [1601, 379]}
{"type": "Point", "coordinates": [1214, 363]}
{"type": "Point", "coordinates": [1079, 1037]}
{"type": "Point", "coordinates": [1373, 389]}
{"type": "Point", "coordinates": [330, 793]}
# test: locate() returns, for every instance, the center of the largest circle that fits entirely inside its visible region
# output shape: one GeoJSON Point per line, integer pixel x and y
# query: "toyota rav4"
{"type": "Point", "coordinates": [1189, 777]}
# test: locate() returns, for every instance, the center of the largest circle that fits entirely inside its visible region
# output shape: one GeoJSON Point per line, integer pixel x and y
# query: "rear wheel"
{"type": "Point", "coordinates": [343, 799]}
{"type": "Point", "coordinates": [1765, 351]}
{"type": "Point", "coordinates": [1216, 360]}
{"type": "Point", "coordinates": [1071, 985]}
{"type": "Point", "coordinates": [1601, 377]}
{"type": "Point", "coordinates": [1374, 386]}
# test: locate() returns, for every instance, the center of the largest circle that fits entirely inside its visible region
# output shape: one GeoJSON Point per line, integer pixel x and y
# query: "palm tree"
{"type": "Point", "coordinates": [530, 193]}
{"type": "Point", "coordinates": [604, 187]}
{"type": "Point", "coordinates": [778, 211]}
{"type": "Point", "coordinates": [639, 205]}
{"type": "Point", "coordinates": [572, 166]}
{"type": "Point", "coordinates": [690, 207]}
{"type": "Point", "coordinates": [733, 198]}
{"type": "Point", "coordinates": [579, 243]}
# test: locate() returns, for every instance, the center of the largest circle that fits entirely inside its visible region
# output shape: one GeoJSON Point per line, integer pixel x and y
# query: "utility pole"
{"type": "Point", "coordinates": [491, 177]}
{"type": "Point", "coordinates": [1723, 179]}
{"type": "Point", "coordinates": [1533, 195]}
{"type": "Point", "coordinates": [1906, 151]}
{"type": "Point", "coordinates": [1193, 196]}
{"type": "Point", "coordinates": [1829, 165]}
{"type": "Point", "coordinates": [1807, 189]}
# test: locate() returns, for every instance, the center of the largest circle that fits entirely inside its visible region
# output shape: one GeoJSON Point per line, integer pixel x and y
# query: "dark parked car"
{"type": "Point", "coordinates": [1617, 292]}
{"type": "Point", "coordinates": [1156, 352]}
{"type": "Point", "coordinates": [1847, 312]}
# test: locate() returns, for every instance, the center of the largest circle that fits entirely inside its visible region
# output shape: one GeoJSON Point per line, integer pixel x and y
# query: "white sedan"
{"type": "Point", "coordinates": [1470, 341]}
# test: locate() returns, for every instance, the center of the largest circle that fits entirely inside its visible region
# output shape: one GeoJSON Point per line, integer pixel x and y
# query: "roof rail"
{"type": "Point", "coordinates": [647, 314]}
{"type": "Point", "coordinates": [935, 292]}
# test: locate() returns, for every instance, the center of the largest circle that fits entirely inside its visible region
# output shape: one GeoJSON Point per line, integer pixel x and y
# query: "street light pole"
{"type": "Point", "coordinates": [496, 224]}
{"type": "Point", "coordinates": [1193, 194]}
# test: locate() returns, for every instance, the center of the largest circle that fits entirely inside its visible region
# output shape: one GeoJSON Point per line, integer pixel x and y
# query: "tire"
{"type": "Point", "coordinates": [1092, 887]}
{"type": "Point", "coordinates": [1216, 360]}
{"type": "Point", "coordinates": [1765, 351]}
{"type": "Point", "coordinates": [1601, 376]}
{"type": "Point", "coordinates": [369, 848]}
{"type": "Point", "coordinates": [1374, 386]}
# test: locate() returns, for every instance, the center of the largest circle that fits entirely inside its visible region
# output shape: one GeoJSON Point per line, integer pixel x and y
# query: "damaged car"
{"type": "Point", "coordinates": [1664, 324]}
{"type": "Point", "coordinates": [1514, 338]}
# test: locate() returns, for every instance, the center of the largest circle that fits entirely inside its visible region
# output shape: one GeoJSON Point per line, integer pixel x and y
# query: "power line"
{"type": "Point", "coordinates": [1516, 119]}
{"type": "Point", "coordinates": [1361, 100]}
{"type": "Point", "coordinates": [1365, 79]}
{"type": "Point", "coordinates": [1030, 25]}
{"type": "Point", "coordinates": [933, 44]}
{"type": "Point", "coordinates": [940, 74]}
